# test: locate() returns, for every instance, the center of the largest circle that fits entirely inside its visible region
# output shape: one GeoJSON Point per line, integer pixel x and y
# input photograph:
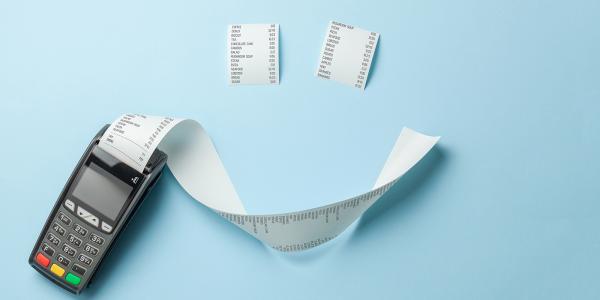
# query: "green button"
{"type": "Point", "coordinates": [72, 279]}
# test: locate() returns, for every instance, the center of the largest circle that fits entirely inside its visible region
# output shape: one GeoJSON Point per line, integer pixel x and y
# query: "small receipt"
{"type": "Point", "coordinates": [347, 54]}
{"type": "Point", "coordinates": [253, 53]}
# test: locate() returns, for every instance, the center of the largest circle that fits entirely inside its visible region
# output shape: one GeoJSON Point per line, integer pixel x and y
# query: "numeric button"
{"type": "Point", "coordinates": [74, 240]}
{"type": "Point", "coordinates": [96, 239]}
{"type": "Point", "coordinates": [85, 259]}
{"type": "Point", "coordinates": [79, 229]}
{"type": "Point", "coordinates": [90, 249]}
{"type": "Point", "coordinates": [53, 239]}
{"type": "Point", "coordinates": [58, 229]}
{"type": "Point", "coordinates": [63, 218]}
{"type": "Point", "coordinates": [70, 251]}
{"type": "Point", "coordinates": [63, 260]}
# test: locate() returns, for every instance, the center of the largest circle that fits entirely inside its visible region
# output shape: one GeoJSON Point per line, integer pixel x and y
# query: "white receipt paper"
{"type": "Point", "coordinates": [197, 167]}
{"type": "Point", "coordinates": [253, 53]}
{"type": "Point", "coordinates": [347, 54]}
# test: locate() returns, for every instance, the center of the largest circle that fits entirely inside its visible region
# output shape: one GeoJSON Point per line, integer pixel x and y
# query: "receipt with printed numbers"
{"type": "Point", "coordinates": [346, 54]}
{"type": "Point", "coordinates": [253, 53]}
{"type": "Point", "coordinates": [196, 165]}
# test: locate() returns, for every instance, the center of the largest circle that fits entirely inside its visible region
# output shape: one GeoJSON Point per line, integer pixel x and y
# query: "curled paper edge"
{"type": "Point", "coordinates": [197, 167]}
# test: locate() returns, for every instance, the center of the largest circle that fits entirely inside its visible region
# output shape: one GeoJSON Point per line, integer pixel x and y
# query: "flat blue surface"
{"type": "Point", "coordinates": [506, 207]}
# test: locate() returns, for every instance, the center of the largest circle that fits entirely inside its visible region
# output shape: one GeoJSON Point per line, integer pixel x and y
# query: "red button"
{"type": "Point", "coordinates": [42, 260]}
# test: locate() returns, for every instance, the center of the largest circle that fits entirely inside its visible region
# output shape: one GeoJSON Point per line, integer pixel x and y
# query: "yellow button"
{"type": "Point", "coordinates": [57, 270]}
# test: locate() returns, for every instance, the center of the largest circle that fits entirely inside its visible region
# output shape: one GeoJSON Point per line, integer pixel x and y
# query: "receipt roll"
{"type": "Point", "coordinates": [197, 167]}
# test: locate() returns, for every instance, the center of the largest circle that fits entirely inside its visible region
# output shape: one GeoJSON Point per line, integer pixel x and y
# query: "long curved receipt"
{"type": "Point", "coordinates": [196, 165]}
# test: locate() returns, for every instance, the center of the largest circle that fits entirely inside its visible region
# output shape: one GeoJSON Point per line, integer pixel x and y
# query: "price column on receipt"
{"type": "Point", "coordinates": [347, 54]}
{"type": "Point", "coordinates": [195, 163]}
{"type": "Point", "coordinates": [253, 54]}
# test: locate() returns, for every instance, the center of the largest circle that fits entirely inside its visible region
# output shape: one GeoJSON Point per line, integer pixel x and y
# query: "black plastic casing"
{"type": "Point", "coordinates": [144, 185]}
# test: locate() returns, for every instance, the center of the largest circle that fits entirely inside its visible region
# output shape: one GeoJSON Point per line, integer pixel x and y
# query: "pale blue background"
{"type": "Point", "coordinates": [505, 208]}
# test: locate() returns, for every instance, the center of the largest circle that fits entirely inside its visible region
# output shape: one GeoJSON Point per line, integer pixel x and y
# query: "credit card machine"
{"type": "Point", "coordinates": [99, 199]}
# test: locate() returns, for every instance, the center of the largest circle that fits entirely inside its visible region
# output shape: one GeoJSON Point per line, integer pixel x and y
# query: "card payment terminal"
{"type": "Point", "coordinates": [99, 199]}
